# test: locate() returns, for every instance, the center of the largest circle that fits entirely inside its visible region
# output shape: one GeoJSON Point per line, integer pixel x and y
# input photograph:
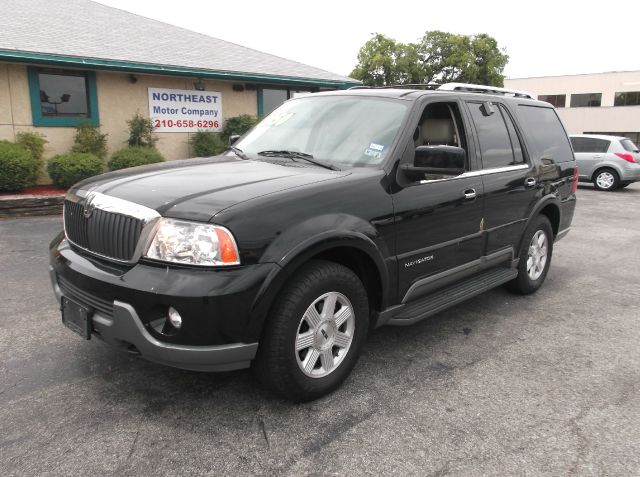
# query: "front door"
{"type": "Point", "coordinates": [437, 219]}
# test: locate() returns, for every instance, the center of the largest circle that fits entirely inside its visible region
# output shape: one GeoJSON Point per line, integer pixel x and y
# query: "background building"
{"type": "Point", "coordinates": [62, 63]}
{"type": "Point", "coordinates": [599, 103]}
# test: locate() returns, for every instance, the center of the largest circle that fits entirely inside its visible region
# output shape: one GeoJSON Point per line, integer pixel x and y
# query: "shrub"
{"type": "Point", "coordinates": [89, 140]}
{"type": "Point", "coordinates": [67, 169]}
{"type": "Point", "coordinates": [238, 125]}
{"type": "Point", "coordinates": [18, 167]}
{"type": "Point", "coordinates": [141, 132]}
{"type": "Point", "coordinates": [207, 143]}
{"type": "Point", "coordinates": [33, 142]}
{"type": "Point", "coordinates": [134, 156]}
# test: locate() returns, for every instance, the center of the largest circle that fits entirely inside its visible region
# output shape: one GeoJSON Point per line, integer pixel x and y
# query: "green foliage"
{"type": "Point", "coordinates": [134, 156]}
{"type": "Point", "coordinates": [207, 143]}
{"type": "Point", "coordinates": [33, 142]}
{"type": "Point", "coordinates": [67, 169]}
{"type": "Point", "coordinates": [439, 57]}
{"type": "Point", "coordinates": [238, 125]}
{"type": "Point", "coordinates": [18, 167]}
{"type": "Point", "coordinates": [141, 132]}
{"type": "Point", "coordinates": [89, 140]}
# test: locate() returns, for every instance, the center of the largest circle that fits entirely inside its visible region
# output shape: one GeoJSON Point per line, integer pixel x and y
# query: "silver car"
{"type": "Point", "coordinates": [610, 162]}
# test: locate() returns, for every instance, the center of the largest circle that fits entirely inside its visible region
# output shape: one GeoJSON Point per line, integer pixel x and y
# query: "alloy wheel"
{"type": "Point", "coordinates": [537, 255]}
{"type": "Point", "coordinates": [605, 180]}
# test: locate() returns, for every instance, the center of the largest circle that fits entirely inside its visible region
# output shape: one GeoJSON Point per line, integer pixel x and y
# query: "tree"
{"type": "Point", "coordinates": [439, 57]}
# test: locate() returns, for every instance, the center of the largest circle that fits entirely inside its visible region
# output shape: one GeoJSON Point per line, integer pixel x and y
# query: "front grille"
{"type": "Point", "coordinates": [104, 307]}
{"type": "Point", "coordinates": [105, 233]}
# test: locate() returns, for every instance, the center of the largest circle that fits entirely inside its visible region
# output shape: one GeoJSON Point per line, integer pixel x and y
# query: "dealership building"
{"type": "Point", "coordinates": [600, 103]}
{"type": "Point", "coordinates": [64, 63]}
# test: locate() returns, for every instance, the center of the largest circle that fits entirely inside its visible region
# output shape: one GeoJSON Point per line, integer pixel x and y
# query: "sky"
{"type": "Point", "coordinates": [541, 37]}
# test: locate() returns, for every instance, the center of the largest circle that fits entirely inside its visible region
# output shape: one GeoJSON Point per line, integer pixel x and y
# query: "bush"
{"type": "Point", "coordinates": [33, 142]}
{"type": "Point", "coordinates": [89, 140]}
{"type": "Point", "coordinates": [67, 169]}
{"type": "Point", "coordinates": [207, 143]}
{"type": "Point", "coordinates": [18, 167]}
{"type": "Point", "coordinates": [141, 132]}
{"type": "Point", "coordinates": [238, 125]}
{"type": "Point", "coordinates": [134, 156]}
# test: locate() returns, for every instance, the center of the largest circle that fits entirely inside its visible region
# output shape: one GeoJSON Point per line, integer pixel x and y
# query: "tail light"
{"type": "Point", "coordinates": [626, 157]}
{"type": "Point", "coordinates": [574, 184]}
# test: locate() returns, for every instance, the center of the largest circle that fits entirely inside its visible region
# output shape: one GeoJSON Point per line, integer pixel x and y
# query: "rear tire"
{"type": "Point", "coordinates": [535, 257]}
{"type": "Point", "coordinates": [606, 179]}
{"type": "Point", "coordinates": [314, 333]}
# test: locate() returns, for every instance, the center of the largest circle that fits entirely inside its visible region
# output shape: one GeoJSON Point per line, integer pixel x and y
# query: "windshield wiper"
{"type": "Point", "coordinates": [293, 155]}
{"type": "Point", "coordinates": [238, 152]}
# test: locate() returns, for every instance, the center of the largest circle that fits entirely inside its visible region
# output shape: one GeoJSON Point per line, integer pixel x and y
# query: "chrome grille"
{"type": "Point", "coordinates": [105, 225]}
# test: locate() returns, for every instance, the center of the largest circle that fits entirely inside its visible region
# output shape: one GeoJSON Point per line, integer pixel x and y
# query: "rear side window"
{"type": "Point", "coordinates": [590, 144]}
{"type": "Point", "coordinates": [629, 145]}
{"type": "Point", "coordinates": [544, 131]}
{"type": "Point", "coordinates": [495, 142]}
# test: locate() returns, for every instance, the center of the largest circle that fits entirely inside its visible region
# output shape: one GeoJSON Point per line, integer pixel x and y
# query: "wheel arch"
{"type": "Point", "coordinates": [606, 165]}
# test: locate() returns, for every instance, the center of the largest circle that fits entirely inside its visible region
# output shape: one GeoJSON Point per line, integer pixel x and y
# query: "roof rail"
{"type": "Point", "coordinates": [401, 86]}
{"type": "Point", "coordinates": [478, 88]}
{"type": "Point", "coordinates": [360, 87]}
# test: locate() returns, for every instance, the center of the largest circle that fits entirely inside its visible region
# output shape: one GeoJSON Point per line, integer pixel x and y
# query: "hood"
{"type": "Point", "coordinates": [197, 189]}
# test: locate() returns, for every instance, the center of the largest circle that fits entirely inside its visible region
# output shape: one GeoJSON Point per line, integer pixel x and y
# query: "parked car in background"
{"type": "Point", "coordinates": [610, 162]}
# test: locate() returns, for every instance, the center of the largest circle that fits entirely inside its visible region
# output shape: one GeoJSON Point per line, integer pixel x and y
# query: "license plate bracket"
{"type": "Point", "coordinates": [77, 318]}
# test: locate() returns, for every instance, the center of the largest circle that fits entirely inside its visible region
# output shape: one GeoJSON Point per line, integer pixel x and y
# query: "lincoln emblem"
{"type": "Point", "coordinates": [88, 206]}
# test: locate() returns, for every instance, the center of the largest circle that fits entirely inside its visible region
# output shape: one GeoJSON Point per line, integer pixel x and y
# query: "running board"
{"type": "Point", "coordinates": [452, 295]}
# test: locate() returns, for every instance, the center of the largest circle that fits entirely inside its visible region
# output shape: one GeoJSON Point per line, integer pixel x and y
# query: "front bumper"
{"type": "Point", "coordinates": [216, 306]}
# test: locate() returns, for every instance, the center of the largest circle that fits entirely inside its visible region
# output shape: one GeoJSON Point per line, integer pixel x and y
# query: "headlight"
{"type": "Point", "coordinates": [193, 243]}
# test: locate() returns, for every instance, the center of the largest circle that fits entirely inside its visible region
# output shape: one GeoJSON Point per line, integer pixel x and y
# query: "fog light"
{"type": "Point", "coordinates": [174, 317]}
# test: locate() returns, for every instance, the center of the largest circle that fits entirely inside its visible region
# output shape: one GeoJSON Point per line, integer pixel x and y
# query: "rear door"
{"type": "Point", "coordinates": [589, 152]}
{"type": "Point", "coordinates": [509, 180]}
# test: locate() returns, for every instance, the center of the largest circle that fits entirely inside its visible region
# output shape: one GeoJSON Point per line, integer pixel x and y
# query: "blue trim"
{"type": "Point", "coordinates": [151, 68]}
{"type": "Point", "coordinates": [56, 121]}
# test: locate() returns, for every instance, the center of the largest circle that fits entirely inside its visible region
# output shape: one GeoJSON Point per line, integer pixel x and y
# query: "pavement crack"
{"type": "Point", "coordinates": [263, 428]}
{"type": "Point", "coordinates": [132, 449]}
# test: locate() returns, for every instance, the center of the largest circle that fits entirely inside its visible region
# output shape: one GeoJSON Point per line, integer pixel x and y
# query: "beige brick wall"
{"type": "Point", "coordinates": [118, 100]}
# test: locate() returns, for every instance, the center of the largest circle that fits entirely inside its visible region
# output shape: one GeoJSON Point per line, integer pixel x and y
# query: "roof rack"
{"type": "Point", "coordinates": [478, 88]}
{"type": "Point", "coordinates": [401, 86]}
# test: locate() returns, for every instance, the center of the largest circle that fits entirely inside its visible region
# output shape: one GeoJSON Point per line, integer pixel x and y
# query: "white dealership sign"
{"type": "Point", "coordinates": [178, 110]}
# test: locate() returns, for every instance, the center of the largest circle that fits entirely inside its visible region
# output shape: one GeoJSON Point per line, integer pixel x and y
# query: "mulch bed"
{"type": "Point", "coordinates": [37, 200]}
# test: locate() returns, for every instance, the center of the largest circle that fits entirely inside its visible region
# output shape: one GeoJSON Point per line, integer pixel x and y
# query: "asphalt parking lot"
{"type": "Point", "coordinates": [547, 384]}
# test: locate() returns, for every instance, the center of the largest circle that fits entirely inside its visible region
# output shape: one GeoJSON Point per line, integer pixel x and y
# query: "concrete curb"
{"type": "Point", "coordinates": [29, 205]}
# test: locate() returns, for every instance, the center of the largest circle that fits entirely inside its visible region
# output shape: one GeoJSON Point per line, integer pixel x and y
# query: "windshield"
{"type": "Point", "coordinates": [350, 130]}
{"type": "Point", "coordinates": [629, 145]}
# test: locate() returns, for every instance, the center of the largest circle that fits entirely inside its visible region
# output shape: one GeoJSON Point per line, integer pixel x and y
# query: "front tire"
{"type": "Point", "coordinates": [606, 179]}
{"type": "Point", "coordinates": [314, 333]}
{"type": "Point", "coordinates": [535, 257]}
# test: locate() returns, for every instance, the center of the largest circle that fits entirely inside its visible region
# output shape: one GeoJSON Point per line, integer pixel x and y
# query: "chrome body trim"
{"type": "Point", "coordinates": [480, 172]}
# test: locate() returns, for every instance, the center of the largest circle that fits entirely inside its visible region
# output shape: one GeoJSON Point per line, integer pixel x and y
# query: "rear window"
{"type": "Point", "coordinates": [545, 133]}
{"type": "Point", "coordinates": [589, 144]}
{"type": "Point", "coordinates": [629, 145]}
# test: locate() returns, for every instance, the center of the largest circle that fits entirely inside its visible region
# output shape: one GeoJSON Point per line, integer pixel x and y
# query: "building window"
{"type": "Point", "coordinates": [63, 97]}
{"type": "Point", "coordinates": [558, 100]}
{"type": "Point", "coordinates": [586, 100]}
{"type": "Point", "coordinates": [627, 98]}
{"type": "Point", "coordinates": [270, 98]}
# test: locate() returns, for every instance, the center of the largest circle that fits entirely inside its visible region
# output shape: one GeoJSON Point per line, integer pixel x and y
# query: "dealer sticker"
{"type": "Point", "coordinates": [376, 147]}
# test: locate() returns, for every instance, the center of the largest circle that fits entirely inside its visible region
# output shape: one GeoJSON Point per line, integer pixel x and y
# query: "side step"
{"type": "Point", "coordinates": [452, 295]}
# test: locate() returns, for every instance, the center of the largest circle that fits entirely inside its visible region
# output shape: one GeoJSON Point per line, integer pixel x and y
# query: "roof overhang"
{"type": "Point", "coordinates": [150, 68]}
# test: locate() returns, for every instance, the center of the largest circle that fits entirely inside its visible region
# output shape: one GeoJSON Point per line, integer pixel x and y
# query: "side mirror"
{"type": "Point", "coordinates": [233, 139]}
{"type": "Point", "coordinates": [443, 160]}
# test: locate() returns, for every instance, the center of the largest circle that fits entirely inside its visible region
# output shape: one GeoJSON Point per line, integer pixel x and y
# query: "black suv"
{"type": "Point", "coordinates": [340, 212]}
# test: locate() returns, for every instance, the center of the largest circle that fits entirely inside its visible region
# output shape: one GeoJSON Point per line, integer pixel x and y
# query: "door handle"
{"type": "Point", "coordinates": [530, 181]}
{"type": "Point", "coordinates": [469, 194]}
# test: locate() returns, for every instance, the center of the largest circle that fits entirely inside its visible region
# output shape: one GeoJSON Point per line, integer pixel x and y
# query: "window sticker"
{"type": "Point", "coordinates": [371, 153]}
{"type": "Point", "coordinates": [277, 120]}
{"type": "Point", "coordinates": [376, 147]}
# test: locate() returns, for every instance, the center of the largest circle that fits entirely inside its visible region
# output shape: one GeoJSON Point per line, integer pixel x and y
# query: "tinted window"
{"type": "Point", "coordinates": [545, 133]}
{"type": "Point", "coordinates": [558, 100]}
{"type": "Point", "coordinates": [518, 156]}
{"type": "Point", "coordinates": [63, 94]}
{"type": "Point", "coordinates": [629, 145]}
{"type": "Point", "coordinates": [495, 145]}
{"type": "Point", "coordinates": [586, 100]}
{"type": "Point", "coordinates": [589, 144]}
{"type": "Point", "coordinates": [628, 98]}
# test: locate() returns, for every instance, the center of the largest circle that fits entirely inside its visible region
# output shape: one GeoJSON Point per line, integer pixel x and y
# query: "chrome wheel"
{"type": "Point", "coordinates": [537, 256]}
{"type": "Point", "coordinates": [324, 335]}
{"type": "Point", "coordinates": [605, 180]}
